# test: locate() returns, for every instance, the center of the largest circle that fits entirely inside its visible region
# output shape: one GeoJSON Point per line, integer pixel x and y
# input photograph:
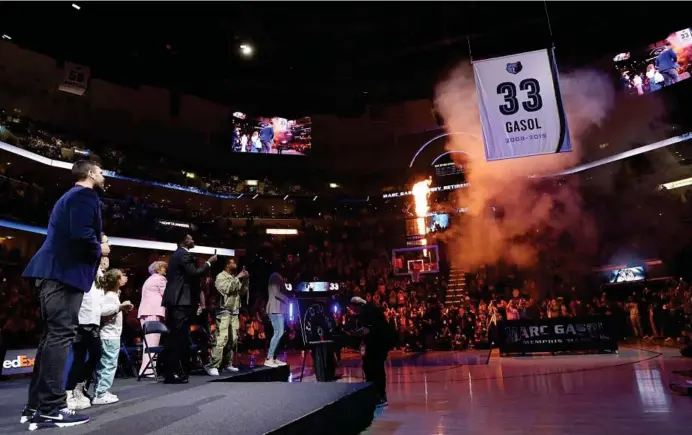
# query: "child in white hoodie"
{"type": "Point", "coordinates": [111, 328]}
{"type": "Point", "coordinates": [88, 341]}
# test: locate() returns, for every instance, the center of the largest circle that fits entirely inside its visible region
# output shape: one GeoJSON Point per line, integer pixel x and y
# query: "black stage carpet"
{"type": "Point", "coordinates": [214, 407]}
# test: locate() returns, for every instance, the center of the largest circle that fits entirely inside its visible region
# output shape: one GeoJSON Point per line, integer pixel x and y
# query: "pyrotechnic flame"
{"type": "Point", "coordinates": [421, 191]}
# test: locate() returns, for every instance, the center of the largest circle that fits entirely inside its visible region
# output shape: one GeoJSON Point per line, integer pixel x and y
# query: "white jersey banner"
{"type": "Point", "coordinates": [76, 79]}
{"type": "Point", "coordinates": [520, 106]}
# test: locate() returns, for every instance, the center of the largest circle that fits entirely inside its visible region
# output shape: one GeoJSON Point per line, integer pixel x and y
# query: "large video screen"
{"type": "Point", "coordinates": [626, 275]}
{"type": "Point", "coordinates": [433, 223]}
{"type": "Point", "coordinates": [271, 135]}
{"type": "Point", "coordinates": [661, 64]}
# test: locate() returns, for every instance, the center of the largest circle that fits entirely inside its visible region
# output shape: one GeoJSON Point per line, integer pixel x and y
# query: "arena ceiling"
{"type": "Point", "coordinates": [314, 57]}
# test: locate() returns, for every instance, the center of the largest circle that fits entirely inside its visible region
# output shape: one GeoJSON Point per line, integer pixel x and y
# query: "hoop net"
{"type": "Point", "coordinates": [415, 275]}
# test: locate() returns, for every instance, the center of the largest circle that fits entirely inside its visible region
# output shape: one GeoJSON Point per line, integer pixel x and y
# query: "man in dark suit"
{"type": "Point", "coordinates": [63, 269]}
{"type": "Point", "coordinates": [181, 299]}
{"type": "Point", "coordinates": [266, 136]}
{"type": "Point", "coordinates": [667, 64]}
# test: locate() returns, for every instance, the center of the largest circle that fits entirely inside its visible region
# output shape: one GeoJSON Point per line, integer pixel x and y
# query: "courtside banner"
{"type": "Point", "coordinates": [520, 106]}
{"type": "Point", "coordinates": [18, 362]}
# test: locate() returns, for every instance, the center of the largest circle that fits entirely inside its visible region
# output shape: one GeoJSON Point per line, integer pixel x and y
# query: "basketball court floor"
{"type": "Point", "coordinates": [476, 392]}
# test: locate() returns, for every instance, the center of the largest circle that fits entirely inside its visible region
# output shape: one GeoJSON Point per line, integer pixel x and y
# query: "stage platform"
{"type": "Point", "coordinates": [257, 374]}
{"type": "Point", "coordinates": [224, 405]}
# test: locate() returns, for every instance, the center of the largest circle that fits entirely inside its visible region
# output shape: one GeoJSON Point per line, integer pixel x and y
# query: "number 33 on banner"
{"type": "Point", "coordinates": [520, 106]}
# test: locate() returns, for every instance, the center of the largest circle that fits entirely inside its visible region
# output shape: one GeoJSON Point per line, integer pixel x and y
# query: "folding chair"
{"type": "Point", "coordinates": [200, 344]}
{"type": "Point", "coordinates": [153, 327]}
{"type": "Point", "coordinates": [126, 364]}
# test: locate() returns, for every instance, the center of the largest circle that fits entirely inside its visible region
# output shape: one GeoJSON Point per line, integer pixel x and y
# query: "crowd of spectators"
{"type": "Point", "coordinates": [352, 252]}
{"type": "Point", "coordinates": [662, 311]}
{"type": "Point", "coordinates": [147, 218]}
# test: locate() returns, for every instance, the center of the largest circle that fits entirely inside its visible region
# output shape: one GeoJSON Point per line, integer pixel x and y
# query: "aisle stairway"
{"type": "Point", "coordinates": [456, 287]}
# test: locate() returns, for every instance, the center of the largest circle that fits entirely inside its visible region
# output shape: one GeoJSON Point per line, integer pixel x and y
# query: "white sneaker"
{"type": "Point", "coordinates": [231, 368]}
{"type": "Point", "coordinates": [213, 371]}
{"type": "Point", "coordinates": [105, 399]}
{"type": "Point", "coordinates": [71, 402]}
{"type": "Point", "coordinates": [271, 363]}
{"type": "Point", "coordinates": [280, 363]}
{"type": "Point", "coordinates": [80, 399]}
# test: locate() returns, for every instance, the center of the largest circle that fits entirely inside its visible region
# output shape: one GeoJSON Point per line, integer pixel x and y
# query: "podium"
{"type": "Point", "coordinates": [323, 360]}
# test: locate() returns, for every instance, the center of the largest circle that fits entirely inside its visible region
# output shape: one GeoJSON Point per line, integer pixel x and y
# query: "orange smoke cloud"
{"type": "Point", "coordinates": [504, 188]}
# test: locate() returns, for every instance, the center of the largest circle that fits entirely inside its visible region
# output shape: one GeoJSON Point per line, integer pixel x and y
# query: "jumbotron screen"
{"type": "Point", "coordinates": [628, 274]}
{"type": "Point", "coordinates": [659, 65]}
{"type": "Point", "coordinates": [271, 135]}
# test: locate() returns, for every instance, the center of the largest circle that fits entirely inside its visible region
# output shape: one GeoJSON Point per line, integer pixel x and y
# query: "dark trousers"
{"type": "Point", "coordinates": [266, 147]}
{"type": "Point", "coordinates": [373, 366]}
{"type": "Point", "coordinates": [88, 341]}
{"type": "Point", "coordinates": [670, 76]}
{"type": "Point", "coordinates": [60, 317]}
{"type": "Point", "coordinates": [178, 343]}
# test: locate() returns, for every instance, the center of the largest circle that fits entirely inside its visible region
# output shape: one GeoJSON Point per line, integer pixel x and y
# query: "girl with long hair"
{"type": "Point", "coordinates": [111, 328]}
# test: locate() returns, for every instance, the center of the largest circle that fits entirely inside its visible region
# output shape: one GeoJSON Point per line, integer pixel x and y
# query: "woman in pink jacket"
{"type": "Point", "coordinates": [150, 308]}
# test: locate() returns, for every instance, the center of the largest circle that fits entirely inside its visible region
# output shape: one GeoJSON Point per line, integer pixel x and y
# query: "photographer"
{"type": "Point", "coordinates": [378, 338]}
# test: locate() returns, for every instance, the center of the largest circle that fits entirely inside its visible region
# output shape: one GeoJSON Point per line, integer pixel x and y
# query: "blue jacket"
{"type": "Point", "coordinates": [667, 60]}
{"type": "Point", "coordinates": [266, 134]}
{"type": "Point", "coordinates": [72, 249]}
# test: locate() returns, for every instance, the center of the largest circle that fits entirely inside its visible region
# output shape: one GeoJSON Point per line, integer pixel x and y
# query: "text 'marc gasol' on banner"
{"type": "Point", "coordinates": [520, 106]}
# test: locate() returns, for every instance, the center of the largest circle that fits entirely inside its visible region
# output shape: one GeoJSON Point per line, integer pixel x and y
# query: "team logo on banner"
{"type": "Point", "coordinates": [514, 68]}
{"type": "Point", "coordinates": [520, 106]}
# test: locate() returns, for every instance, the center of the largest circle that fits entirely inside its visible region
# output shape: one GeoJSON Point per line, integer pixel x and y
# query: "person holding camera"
{"type": "Point", "coordinates": [378, 338]}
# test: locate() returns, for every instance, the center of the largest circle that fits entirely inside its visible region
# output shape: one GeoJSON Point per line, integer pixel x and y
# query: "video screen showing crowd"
{"type": "Point", "coordinates": [659, 65]}
{"type": "Point", "coordinates": [274, 135]}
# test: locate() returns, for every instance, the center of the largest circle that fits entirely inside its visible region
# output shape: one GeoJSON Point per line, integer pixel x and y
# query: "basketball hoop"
{"type": "Point", "coordinates": [415, 276]}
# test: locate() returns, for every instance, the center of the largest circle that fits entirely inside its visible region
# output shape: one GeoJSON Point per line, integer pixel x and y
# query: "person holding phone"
{"type": "Point", "coordinates": [181, 299]}
{"type": "Point", "coordinates": [231, 287]}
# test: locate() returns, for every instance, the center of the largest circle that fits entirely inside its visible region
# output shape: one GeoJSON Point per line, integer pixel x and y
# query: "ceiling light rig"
{"type": "Point", "coordinates": [246, 50]}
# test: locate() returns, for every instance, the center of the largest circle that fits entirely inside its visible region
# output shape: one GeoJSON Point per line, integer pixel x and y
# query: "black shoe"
{"type": "Point", "coordinates": [175, 379]}
{"type": "Point", "coordinates": [382, 403]}
{"type": "Point", "coordinates": [62, 418]}
{"type": "Point", "coordinates": [27, 414]}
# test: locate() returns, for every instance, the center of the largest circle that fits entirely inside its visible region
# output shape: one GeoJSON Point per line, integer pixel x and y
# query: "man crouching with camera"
{"type": "Point", "coordinates": [378, 338]}
{"type": "Point", "coordinates": [231, 287]}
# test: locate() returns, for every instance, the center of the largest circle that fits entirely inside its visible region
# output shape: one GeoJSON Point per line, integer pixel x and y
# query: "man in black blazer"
{"type": "Point", "coordinates": [181, 299]}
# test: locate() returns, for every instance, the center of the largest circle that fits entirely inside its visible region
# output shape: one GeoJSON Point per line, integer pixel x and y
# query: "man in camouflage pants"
{"type": "Point", "coordinates": [230, 287]}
